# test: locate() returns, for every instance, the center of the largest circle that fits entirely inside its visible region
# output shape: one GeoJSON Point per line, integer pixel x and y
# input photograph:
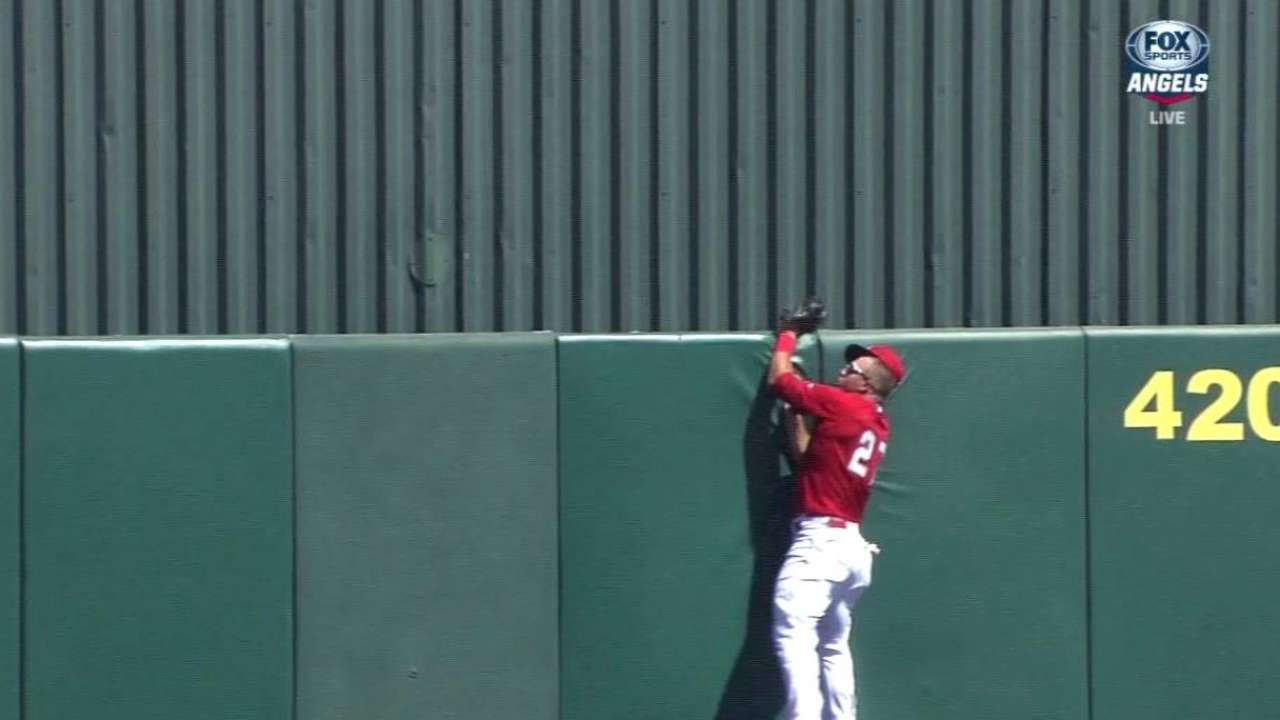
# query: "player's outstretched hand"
{"type": "Point", "coordinates": [804, 319]}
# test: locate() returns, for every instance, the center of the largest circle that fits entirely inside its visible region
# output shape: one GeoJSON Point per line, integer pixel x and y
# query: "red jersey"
{"type": "Point", "coordinates": [839, 468]}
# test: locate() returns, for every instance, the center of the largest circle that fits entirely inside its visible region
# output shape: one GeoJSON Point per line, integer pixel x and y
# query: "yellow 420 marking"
{"type": "Point", "coordinates": [1158, 392]}
{"type": "Point", "coordinates": [1154, 406]}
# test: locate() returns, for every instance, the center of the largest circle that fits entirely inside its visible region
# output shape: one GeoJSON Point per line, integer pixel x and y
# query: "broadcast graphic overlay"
{"type": "Point", "coordinates": [1167, 61]}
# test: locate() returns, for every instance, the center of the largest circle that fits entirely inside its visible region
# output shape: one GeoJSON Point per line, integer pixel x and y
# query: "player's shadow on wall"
{"type": "Point", "coordinates": [754, 689]}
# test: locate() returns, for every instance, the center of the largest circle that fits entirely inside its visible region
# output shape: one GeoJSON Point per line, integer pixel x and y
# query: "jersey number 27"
{"type": "Point", "coordinates": [862, 454]}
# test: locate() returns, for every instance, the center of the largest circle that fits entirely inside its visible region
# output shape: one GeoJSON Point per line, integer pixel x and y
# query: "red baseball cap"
{"type": "Point", "coordinates": [886, 354]}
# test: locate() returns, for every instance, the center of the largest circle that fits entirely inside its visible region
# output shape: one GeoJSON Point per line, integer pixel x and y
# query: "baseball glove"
{"type": "Point", "coordinates": [804, 319]}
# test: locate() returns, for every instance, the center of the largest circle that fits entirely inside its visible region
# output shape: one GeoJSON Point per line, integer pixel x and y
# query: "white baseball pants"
{"type": "Point", "coordinates": [825, 571]}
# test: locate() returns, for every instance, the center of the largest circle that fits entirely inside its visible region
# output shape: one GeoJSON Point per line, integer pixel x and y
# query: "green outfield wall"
{"type": "Point", "coordinates": [673, 506]}
{"type": "Point", "coordinates": [977, 607]}
{"type": "Point", "coordinates": [1183, 530]}
{"type": "Point", "coordinates": [10, 528]}
{"type": "Point", "coordinates": [427, 527]}
{"type": "Point", "coordinates": [1076, 525]}
{"type": "Point", "coordinates": [157, 529]}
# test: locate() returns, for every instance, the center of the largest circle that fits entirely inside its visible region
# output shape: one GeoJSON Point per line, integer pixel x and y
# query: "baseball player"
{"type": "Point", "coordinates": [829, 563]}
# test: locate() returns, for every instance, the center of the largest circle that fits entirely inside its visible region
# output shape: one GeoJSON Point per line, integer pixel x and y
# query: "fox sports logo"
{"type": "Point", "coordinates": [1167, 45]}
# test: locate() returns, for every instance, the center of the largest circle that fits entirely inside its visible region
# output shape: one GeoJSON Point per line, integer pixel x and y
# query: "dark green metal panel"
{"type": "Point", "coordinates": [427, 559]}
{"type": "Point", "coordinates": [158, 530]}
{"type": "Point", "coordinates": [423, 165]}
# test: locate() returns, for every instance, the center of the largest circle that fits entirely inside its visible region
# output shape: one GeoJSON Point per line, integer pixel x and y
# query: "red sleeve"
{"type": "Point", "coordinates": [808, 397]}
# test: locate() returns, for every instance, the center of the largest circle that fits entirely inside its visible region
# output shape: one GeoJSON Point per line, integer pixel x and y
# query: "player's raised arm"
{"type": "Point", "coordinates": [783, 347]}
{"type": "Point", "coordinates": [798, 434]}
{"type": "Point", "coordinates": [802, 394]}
{"type": "Point", "coordinates": [794, 324]}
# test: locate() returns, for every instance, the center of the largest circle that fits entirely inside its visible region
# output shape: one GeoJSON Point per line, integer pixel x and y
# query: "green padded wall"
{"type": "Point", "coordinates": [977, 607]}
{"type": "Point", "coordinates": [674, 509]}
{"type": "Point", "coordinates": [10, 524]}
{"type": "Point", "coordinates": [1184, 534]}
{"type": "Point", "coordinates": [158, 530]}
{"type": "Point", "coordinates": [427, 581]}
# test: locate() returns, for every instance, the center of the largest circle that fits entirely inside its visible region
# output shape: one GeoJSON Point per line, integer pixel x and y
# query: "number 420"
{"type": "Point", "coordinates": [1153, 406]}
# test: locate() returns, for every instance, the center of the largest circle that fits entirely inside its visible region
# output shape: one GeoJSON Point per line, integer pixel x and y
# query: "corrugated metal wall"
{"type": "Point", "coordinates": [365, 166]}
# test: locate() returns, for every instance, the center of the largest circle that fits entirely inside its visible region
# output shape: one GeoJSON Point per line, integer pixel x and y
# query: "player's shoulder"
{"type": "Point", "coordinates": [867, 408]}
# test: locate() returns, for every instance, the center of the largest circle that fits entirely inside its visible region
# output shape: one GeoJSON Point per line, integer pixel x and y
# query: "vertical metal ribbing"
{"type": "Point", "coordinates": [516, 229]}
{"type": "Point", "coordinates": [1141, 170]}
{"type": "Point", "coordinates": [1062, 186]}
{"type": "Point", "coordinates": [281, 159]}
{"type": "Point", "coordinates": [871, 158]}
{"type": "Point", "coordinates": [160, 163]}
{"type": "Point", "coordinates": [751, 165]}
{"type": "Point", "coordinates": [674, 143]}
{"type": "Point", "coordinates": [830, 144]}
{"type": "Point", "coordinates": [945, 167]}
{"type": "Point", "coordinates": [987, 73]}
{"type": "Point", "coordinates": [791, 87]}
{"type": "Point", "coordinates": [10, 171]}
{"type": "Point", "coordinates": [1025, 213]}
{"type": "Point", "coordinates": [1102, 180]}
{"type": "Point", "coordinates": [1179, 209]}
{"type": "Point", "coordinates": [397, 164]}
{"type": "Point", "coordinates": [326, 165]}
{"type": "Point", "coordinates": [242, 182]}
{"type": "Point", "coordinates": [81, 206]}
{"type": "Point", "coordinates": [595, 160]}
{"type": "Point", "coordinates": [1260, 163]}
{"type": "Point", "coordinates": [635, 167]}
{"type": "Point", "coordinates": [40, 142]}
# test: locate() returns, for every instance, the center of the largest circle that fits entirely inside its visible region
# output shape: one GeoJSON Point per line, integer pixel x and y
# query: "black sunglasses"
{"type": "Point", "coordinates": [852, 369]}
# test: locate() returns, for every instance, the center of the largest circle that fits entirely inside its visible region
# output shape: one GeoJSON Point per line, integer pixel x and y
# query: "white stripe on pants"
{"type": "Point", "coordinates": [825, 571]}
